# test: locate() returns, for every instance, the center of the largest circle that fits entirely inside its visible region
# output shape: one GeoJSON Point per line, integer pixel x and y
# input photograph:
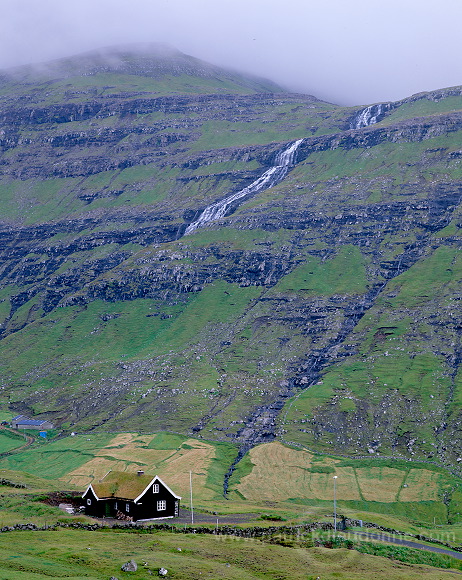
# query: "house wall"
{"type": "Point", "coordinates": [146, 507]}
{"type": "Point", "coordinates": [42, 427]}
{"type": "Point", "coordinates": [96, 507]}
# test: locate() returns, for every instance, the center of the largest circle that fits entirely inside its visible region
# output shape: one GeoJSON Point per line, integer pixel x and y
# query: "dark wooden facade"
{"type": "Point", "coordinates": [131, 497]}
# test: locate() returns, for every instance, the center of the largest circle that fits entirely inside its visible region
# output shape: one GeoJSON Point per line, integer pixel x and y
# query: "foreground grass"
{"type": "Point", "coordinates": [77, 554]}
{"type": "Point", "coordinates": [402, 554]}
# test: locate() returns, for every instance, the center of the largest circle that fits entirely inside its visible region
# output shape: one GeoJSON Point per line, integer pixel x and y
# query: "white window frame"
{"type": "Point", "coordinates": [161, 505]}
{"type": "Point", "coordinates": [88, 501]}
{"type": "Point", "coordinates": [127, 507]}
{"type": "Point", "coordinates": [155, 488]}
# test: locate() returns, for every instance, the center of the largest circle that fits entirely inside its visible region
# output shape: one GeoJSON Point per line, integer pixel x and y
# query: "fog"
{"type": "Point", "coordinates": [350, 53]}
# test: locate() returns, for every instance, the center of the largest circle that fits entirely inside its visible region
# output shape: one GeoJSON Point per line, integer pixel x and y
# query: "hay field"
{"type": "Point", "coordinates": [280, 473]}
{"type": "Point", "coordinates": [131, 452]}
{"type": "Point", "coordinates": [415, 491]}
{"type": "Point", "coordinates": [271, 472]}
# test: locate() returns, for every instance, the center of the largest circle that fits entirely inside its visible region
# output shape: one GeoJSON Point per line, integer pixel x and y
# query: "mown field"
{"type": "Point", "coordinates": [275, 479]}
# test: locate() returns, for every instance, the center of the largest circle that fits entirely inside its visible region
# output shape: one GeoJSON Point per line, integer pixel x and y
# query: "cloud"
{"type": "Point", "coordinates": [355, 52]}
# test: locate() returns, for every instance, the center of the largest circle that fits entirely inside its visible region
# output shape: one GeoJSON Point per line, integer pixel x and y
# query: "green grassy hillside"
{"type": "Point", "coordinates": [321, 311]}
{"type": "Point", "coordinates": [93, 555]}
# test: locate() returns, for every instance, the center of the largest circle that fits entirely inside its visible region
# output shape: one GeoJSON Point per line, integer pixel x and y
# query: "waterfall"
{"type": "Point", "coordinates": [367, 116]}
{"type": "Point", "coordinates": [284, 160]}
{"type": "Point", "coordinates": [286, 157]}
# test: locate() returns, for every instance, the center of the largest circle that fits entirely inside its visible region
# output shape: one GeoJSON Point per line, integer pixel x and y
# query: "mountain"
{"type": "Point", "coordinates": [152, 68]}
{"type": "Point", "coordinates": [185, 248]}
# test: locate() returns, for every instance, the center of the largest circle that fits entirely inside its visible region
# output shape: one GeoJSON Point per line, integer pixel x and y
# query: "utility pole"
{"type": "Point", "coordinates": [335, 504]}
{"type": "Point", "coordinates": [191, 498]}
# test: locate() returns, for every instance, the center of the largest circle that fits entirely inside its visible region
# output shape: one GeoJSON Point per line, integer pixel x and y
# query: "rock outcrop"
{"type": "Point", "coordinates": [282, 317]}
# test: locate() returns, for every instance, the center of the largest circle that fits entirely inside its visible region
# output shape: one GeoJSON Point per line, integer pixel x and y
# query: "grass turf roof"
{"type": "Point", "coordinates": [122, 484]}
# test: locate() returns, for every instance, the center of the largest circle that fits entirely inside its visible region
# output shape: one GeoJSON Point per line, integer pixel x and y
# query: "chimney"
{"type": "Point", "coordinates": [140, 472]}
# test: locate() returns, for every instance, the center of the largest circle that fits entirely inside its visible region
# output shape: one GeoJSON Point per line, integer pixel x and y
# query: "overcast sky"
{"type": "Point", "coordinates": [350, 52]}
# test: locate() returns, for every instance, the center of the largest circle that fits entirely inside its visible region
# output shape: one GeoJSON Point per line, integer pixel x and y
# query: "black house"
{"type": "Point", "coordinates": [131, 496]}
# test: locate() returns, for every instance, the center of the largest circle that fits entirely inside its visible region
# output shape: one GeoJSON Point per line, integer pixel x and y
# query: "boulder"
{"type": "Point", "coordinates": [129, 566]}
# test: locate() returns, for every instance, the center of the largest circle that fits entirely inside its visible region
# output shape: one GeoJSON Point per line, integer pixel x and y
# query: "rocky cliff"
{"type": "Point", "coordinates": [324, 310]}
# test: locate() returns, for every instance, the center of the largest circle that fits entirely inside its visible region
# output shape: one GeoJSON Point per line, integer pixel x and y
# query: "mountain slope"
{"type": "Point", "coordinates": [339, 285]}
{"type": "Point", "coordinates": [125, 71]}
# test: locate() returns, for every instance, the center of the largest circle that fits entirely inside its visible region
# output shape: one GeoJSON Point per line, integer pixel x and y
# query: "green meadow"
{"type": "Point", "coordinates": [10, 440]}
{"type": "Point", "coordinates": [78, 555]}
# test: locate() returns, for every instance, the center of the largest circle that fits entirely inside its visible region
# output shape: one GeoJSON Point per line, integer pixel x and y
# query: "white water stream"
{"type": "Point", "coordinates": [367, 116]}
{"type": "Point", "coordinates": [284, 160]}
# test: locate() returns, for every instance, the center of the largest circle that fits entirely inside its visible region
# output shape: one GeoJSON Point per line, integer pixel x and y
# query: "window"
{"type": "Point", "coordinates": [127, 507]}
{"type": "Point", "coordinates": [115, 505]}
{"type": "Point", "coordinates": [155, 488]}
{"type": "Point", "coordinates": [88, 501]}
{"type": "Point", "coordinates": [161, 505]}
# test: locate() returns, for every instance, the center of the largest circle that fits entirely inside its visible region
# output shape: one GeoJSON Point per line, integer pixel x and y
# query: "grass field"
{"type": "Point", "coordinates": [76, 555]}
{"type": "Point", "coordinates": [9, 440]}
{"type": "Point", "coordinates": [398, 378]}
{"type": "Point", "coordinates": [343, 274]}
{"type": "Point", "coordinates": [284, 485]}
{"type": "Point", "coordinates": [386, 160]}
{"type": "Point", "coordinates": [290, 483]}
{"type": "Point", "coordinates": [311, 476]}
{"type": "Point", "coordinates": [74, 462]}
{"type": "Point", "coordinates": [275, 473]}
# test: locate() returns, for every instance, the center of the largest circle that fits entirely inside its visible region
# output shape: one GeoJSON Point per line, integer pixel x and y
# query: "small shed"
{"type": "Point", "coordinates": [22, 422]}
{"type": "Point", "coordinates": [131, 496]}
